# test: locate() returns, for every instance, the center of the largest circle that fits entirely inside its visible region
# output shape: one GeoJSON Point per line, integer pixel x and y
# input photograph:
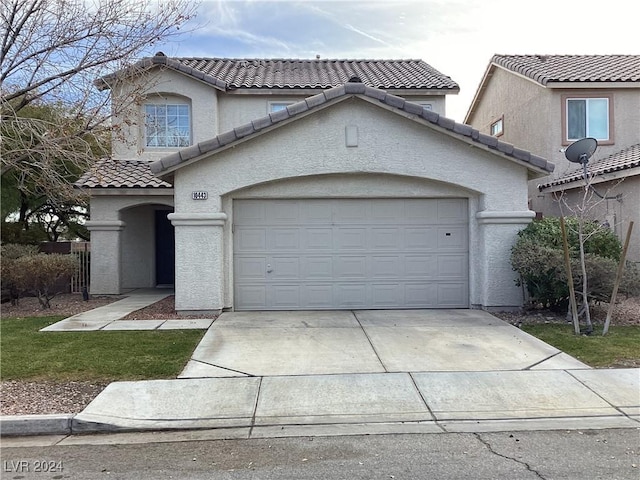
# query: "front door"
{"type": "Point", "coordinates": [165, 249]}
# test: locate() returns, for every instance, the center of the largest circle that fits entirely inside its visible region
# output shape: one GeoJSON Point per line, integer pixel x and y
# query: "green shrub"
{"type": "Point", "coordinates": [41, 272]}
{"type": "Point", "coordinates": [538, 257]}
{"type": "Point", "coordinates": [9, 253]}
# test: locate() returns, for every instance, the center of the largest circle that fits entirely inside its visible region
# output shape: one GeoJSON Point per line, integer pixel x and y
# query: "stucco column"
{"type": "Point", "coordinates": [199, 283]}
{"type": "Point", "coordinates": [497, 234]}
{"type": "Point", "coordinates": [106, 265]}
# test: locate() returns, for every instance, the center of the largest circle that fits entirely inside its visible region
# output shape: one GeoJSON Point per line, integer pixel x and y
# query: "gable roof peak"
{"type": "Point", "coordinates": [171, 162]}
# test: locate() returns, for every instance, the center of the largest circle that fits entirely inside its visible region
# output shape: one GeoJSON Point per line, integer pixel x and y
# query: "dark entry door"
{"type": "Point", "coordinates": [165, 249]}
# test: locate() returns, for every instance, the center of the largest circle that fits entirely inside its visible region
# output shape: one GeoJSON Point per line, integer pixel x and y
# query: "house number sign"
{"type": "Point", "coordinates": [199, 195]}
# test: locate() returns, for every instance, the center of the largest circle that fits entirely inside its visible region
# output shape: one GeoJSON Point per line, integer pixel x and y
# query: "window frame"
{"type": "Point", "coordinates": [272, 103]}
{"type": "Point", "coordinates": [586, 95]}
{"type": "Point", "coordinates": [497, 121]}
{"type": "Point", "coordinates": [166, 104]}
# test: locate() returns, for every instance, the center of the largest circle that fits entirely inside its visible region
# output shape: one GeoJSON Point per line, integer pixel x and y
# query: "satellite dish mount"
{"type": "Point", "coordinates": [580, 152]}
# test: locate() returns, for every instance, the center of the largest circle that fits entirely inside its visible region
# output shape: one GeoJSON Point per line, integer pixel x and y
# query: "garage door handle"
{"type": "Point", "coordinates": [269, 269]}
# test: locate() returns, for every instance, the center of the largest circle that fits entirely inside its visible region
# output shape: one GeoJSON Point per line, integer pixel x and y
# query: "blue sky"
{"type": "Point", "coordinates": [458, 37]}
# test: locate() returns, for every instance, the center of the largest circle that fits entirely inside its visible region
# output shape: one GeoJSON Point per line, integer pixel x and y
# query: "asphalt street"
{"type": "Point", "coordinates": [589, 454]}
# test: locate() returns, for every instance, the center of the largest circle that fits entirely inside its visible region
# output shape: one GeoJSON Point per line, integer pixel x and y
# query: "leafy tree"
{"type": "Point", "coordinates": [54, 122]}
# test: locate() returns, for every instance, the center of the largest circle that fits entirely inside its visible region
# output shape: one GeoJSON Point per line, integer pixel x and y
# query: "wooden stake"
{"type": "Point", "coordinates": [567, 264]}
{"type": "Point", "coordinates": [618, 279]}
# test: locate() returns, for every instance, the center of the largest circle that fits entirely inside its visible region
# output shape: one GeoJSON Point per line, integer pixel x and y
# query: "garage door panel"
{"type": "Point", "coordinates": [417, 211]}
{"type": "Point", "coordinates": [251, 239]}
{"type": "Point", "coordinates": [387, 212]}
{"type": "Point", "coordinates": [350, 266]}
{"type": "Point", "coordinates": [317, 296]}
{"type": "Point", "coordinates": [251, 297]}
{"type": "Point", "coordinates": [452, 238]}
{"type": "Point", "coordinates": [386, 238]}
{"type": "Point", "coordinates": [351, 212]}
{"type": "Point", "coordinates": [350, 295]}
{"type": "Point", "coordinates": [452, 211]}
{"type": "Point", "coordinates": [387, 266]}
{"type": "Point", "coordinates": [420, 238]}
{"type": "Point", "coordinates": [317, 267]}
{"type": "Point", "coordinates": [251, 268]}
{"type": "Point", "coordinates": [350, 253]}
{"type": "Point", "coordinates": [282, 238]}
{"type": "Point", "coordinates": [421, 266]}
{"type": "Point", "coordinates": [280, 212]}
{"type": "Point", "coordinates": [350, 238]}
{"type": "Point", "coordinates": [318, 239]}
{"type": "Point", "coordinates": [452, 266]}
{"type": "Point", "coordinates": [451, 294]}
{"type": "Point", "coordinates": [316, 212]}
{"type": "Point", "coordinates": [387, 295]}
{"type": "Point", "coordinates": [284, 296]}
{"type": "Point", "coordinates": [420, 295]}
{"type": "Point", "coordinates": [281, 268]}
{"type": "Point", "coordinates": [252, 212]}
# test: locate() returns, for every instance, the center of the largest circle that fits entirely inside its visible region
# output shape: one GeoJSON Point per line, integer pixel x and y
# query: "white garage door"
{"type": "Point", "coordinates": [350, 254]}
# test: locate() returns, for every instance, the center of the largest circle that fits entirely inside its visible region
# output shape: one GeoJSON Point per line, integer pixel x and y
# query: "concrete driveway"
{"type": "Point", "coordinates": [266, 374]}
{"type": "Point", "coordinates": [379, 341]}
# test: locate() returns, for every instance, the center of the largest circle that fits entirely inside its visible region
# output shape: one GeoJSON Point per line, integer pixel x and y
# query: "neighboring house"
{"type": "Point", "coordinates": [305, 184]}
{"type": "Point", "coordinates": [546, 102]}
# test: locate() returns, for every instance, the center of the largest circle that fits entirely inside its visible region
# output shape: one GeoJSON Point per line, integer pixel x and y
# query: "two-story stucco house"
{"type": "Point", "coordinates": [546, 102]}
{"type": "Point", "coordinates": [305, 184]}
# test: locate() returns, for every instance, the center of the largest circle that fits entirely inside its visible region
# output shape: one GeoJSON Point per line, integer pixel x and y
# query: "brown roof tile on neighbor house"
{"type": "Point", "coordinates": [287, 74]}
{"type": "Point", "coordinates": [224, 140]}
{"type": "Point", "coordinates": [546, 69]}
{"type": "Point", "coordinates": [623, 160]}
{"type": "Point", "coordinates": [110, 173]}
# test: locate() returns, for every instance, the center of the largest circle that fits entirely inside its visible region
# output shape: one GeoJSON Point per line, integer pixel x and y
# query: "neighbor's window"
{"type": "Point", "coordinates": [497, 127]}
{"type": "Point", "coordinates": [167, 125]}
{"type": "Point", "coordinates": [587, 117]}
{"type": "Point", "coordinates": [277, 106]}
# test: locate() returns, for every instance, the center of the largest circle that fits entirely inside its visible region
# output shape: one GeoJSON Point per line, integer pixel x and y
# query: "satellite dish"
{"type": "Point", "coordinates": [581, 151]}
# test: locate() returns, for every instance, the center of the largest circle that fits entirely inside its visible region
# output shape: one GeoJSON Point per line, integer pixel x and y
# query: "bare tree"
{"type": "Point", "coordinates": [51, 53]}
{"type": "Point", "coordinates": [586, 210]}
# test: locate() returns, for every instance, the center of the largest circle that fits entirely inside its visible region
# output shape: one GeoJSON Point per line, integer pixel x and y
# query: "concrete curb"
{"type": "Point", "coordinates": [66, 425]}
{"type": "Point", "coordinates": [54, 424]}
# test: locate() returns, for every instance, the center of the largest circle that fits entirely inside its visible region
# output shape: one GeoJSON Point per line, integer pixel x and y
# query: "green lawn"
{"type": "Point", "coordinates": [27, 354]}
{"type": "Point", "coordinates": [620, 347]}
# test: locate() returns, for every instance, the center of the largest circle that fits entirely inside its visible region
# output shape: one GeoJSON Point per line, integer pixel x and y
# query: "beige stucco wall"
{"type": "Point", "coordinates": [394, 156]}
{"type": "Point", "coordinates": [239, 109]}
{"type": "Point", "coordinates": [165, 86]}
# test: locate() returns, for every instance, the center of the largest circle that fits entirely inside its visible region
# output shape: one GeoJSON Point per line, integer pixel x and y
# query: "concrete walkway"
{"type": "Point", "coordinates": [265, 374]}
{"type": "Point", "coordinates": [108, 317]}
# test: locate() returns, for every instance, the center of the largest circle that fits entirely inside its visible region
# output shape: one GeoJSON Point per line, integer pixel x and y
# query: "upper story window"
{"type": "Point", "coordinates": [426, 105]}
{"type": "Point", "coordinates": [587, 116]}
{"type": "Point", "coordinates": [167, 125]}
{"type": "Point", "coordinates": [497, 127]}
{"type": "Point", "coordinates": [277, 106]}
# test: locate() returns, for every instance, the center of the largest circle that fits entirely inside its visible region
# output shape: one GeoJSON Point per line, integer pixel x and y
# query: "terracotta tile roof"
{"type": "Point", "coordinates": [228, 74]}
{"type": "Point", "coordinates": [546, 69]}
{"type": "Point", "coordinates": [109, 173]}
{"type": "Point", "coordinates": [623, 160]}
{"type": "Point", "coordinates": [173, 161]}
